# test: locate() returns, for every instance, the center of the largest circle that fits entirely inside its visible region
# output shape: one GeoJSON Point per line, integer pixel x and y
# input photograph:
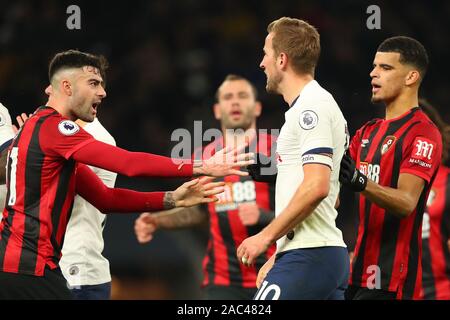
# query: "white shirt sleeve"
{"type": "Point", "coordinates": [314, 124]}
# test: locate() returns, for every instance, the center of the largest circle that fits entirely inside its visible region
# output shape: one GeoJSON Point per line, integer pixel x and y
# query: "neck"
{"type": "Point", "coordinates": [402, 104]}
{"type": "Point", "coordinates": [293, 85]}
{"type": "Point", "coordinates": [81, 123]}
{"type": "Point", "coordinates": [60, 105]}
{"type": "Point", "coordinates": [239, 137]}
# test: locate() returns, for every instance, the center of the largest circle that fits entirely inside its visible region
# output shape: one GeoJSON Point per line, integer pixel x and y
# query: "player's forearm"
{"type": "Point", "coordinates": [303, 203]}
{"type": "Point", "coordinates": [132, 164]}
{"type": "Point", "coordinates": [123, 200]}
{"type": "Point", "coordinates": [394, 201]}
{"type": "Point", "coordinates": [180, 218]}
{"type": "Point", "coordinates": [93, 190]}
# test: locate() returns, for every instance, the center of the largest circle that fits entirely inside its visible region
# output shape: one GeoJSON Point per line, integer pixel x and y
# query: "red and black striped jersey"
{"type": "Point", "coordinates": [435, 237]}
{"type": "Point", "coordinates": [226, 232]}
{"type": "Point", "coordinates": [41, 189]}
{"type": "Point", "coordinates": [388, 248]}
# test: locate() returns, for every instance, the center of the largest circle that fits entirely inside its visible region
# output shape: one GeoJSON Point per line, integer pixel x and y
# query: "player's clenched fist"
{"type": "Point", "coordinates": [144, 227]}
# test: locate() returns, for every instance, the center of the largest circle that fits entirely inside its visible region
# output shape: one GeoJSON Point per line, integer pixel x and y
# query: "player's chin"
{"type": "Point", "coordinates": [376, 99]}
{"type": "Point", "coordinates": [87, 117]}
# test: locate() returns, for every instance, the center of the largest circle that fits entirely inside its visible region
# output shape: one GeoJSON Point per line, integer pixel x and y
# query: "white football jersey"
{"type": "Point", "coordinates": [314, 126]}
{"type": "Point", "coordinates": [82, 262]}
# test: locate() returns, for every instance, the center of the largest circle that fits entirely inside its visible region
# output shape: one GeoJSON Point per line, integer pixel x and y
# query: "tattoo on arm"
{"type": "Point", "coordinates": [168, 201]}
{"type": "Point", "coordinates": [181, 217]}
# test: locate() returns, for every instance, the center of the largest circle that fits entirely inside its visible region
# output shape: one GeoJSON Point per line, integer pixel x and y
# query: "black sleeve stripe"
{"type": "Point", "coordinates": [319, 151]}
{"type": "Point", "coordinates": [5, 145]}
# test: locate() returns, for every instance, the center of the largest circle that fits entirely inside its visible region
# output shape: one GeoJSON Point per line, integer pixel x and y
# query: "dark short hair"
{"type": "Point", "coordinates": [235, 77]}
{"type": "Point", "coordinates": [443, 127]}
{"type": "Point", "coordinates": [411, 51]}
{"type": "Point", "coordinates": [76, 59]}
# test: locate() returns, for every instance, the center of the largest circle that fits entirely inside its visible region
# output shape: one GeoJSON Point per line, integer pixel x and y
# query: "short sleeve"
{"type": "Point", "coordinates": [315, 131]}
{"type": "Point", "coordinates": [422, 151]}
{"type": "Point", "coordinates": [354, 145]}
{"type": "Point", "coordinates": [63, 137]}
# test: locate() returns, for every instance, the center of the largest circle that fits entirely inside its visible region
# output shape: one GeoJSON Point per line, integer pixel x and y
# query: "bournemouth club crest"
{"type": "Point", "coordinates": [387, 144]}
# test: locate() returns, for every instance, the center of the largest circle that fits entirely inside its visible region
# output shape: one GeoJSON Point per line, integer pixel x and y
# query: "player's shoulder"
{"type": "Point", "coordinates": [99, 132]}
{"type": "Point", "coordinates": [317, 99]}
{"type": "Point", "coordinates": [424, 125]}
{"type": "Point", "coordinates": [371, 123]}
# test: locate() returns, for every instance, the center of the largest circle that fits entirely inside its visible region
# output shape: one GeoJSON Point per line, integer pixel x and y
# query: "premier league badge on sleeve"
{"type": "Point", "coordinates": [68, 128]}
{"type": "Point", "coordinates": [308, 119]}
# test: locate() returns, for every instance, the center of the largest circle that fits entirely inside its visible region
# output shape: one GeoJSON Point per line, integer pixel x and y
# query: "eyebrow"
{"type": "Point", "coordinates": [96, 80]}
{"type": "Point", "coordinates": [383, 65]}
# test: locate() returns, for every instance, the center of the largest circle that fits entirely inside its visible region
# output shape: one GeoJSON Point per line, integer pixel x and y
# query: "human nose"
{"type": "Point", "coordinates": [102, 92]}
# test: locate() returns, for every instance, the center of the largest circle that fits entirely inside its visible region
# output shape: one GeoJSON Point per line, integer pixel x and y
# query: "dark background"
{"type": "Point", "coordinates": [167, 57]}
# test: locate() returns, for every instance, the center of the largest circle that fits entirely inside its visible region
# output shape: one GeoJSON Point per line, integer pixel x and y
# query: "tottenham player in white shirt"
{"type": "Point", "coordinates": [6, 136]}
{"type": "Point", "coordinates": [311, 261]}
{"type": "Point", "coordinates": [82, 264]}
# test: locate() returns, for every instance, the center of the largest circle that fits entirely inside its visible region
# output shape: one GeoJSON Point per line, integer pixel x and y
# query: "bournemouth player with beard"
{"type": "Point", "coordinates": [243, 209]}
{"type": "Point", "coordinates": [47, 167]}
{"type": "Point", "coordinates": [436, 222]}
{"type": "Point", "coordinates": [392, 164]}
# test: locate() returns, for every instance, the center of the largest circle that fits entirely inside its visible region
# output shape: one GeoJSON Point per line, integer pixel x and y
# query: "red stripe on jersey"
{"type": "Point", "coordinates": [221, 266]}
{"type": "Point", "coordinates": [14, 245]}
{"type": "Point", "coordinates": [384, 240]}
{"type": "Point", "coordinates": [221, 275]}
{"type": "Point", "coordinates": [437, 242]}
{"type": "Point", "coordinates": [239, 234]}
{"type": "Point", "coordinates": [205, 262]}
{"type": "Point", "coordinates": [372, 242]}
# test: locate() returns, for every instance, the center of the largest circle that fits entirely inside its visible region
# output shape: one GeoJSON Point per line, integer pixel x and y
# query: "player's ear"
{"type": "Point", "coordinates": [217, 111]}
{"type": "Point", "coordinates": [66, 87]}
{"type": "Point", "coordinates": [282, 60]}
{"type": "Point", "coordinates": [49, 90]}
{"type": "Point", "coordinates": [412, 77]}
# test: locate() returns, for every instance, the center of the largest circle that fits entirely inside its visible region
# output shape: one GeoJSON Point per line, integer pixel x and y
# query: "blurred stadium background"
{"type": "Point", "coordinates": [166, 59]}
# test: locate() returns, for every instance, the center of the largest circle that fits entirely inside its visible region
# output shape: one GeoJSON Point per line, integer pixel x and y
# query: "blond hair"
{"type": "Point", "coordinates": [299, 40]}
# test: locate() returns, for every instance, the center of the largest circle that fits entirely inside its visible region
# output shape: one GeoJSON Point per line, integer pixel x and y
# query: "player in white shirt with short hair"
{"type": "Point", "coordinates": [82, 264]}
{"type": "Point", "coordinates": [311, 260]}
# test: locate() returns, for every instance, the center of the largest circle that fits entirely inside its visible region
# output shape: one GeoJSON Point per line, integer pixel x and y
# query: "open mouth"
{"type": "Point", "coordinates": [375, 88]}
{"type": "Point", "coordinates": [95, 106]}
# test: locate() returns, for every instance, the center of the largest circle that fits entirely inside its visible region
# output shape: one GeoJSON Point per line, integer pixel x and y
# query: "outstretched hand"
{"type": "Point", "coordinates": [225, 162]}
{"type": "Point", "coordinates": [20, 121]}
{"type": "Point", "coordinates": [197, 191]}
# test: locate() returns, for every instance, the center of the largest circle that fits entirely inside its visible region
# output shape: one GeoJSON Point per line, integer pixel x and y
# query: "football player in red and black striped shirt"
{"type": "Point", "coordinates": [47, 166]}
{"type": "Point", "coordinates": [436, 222]}
{"type": "Point", "coordinates": [244, 208]}
{"type": "Point", "coordinates": [393, 163]}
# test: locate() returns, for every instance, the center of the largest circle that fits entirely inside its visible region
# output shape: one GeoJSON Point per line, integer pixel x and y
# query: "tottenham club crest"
{"type": "Point", "coordinates": [308, 119]}
{"type": "Point", "coordinates": [387, 144]}
{"type": "Point", "coordinates": [68, 128]}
